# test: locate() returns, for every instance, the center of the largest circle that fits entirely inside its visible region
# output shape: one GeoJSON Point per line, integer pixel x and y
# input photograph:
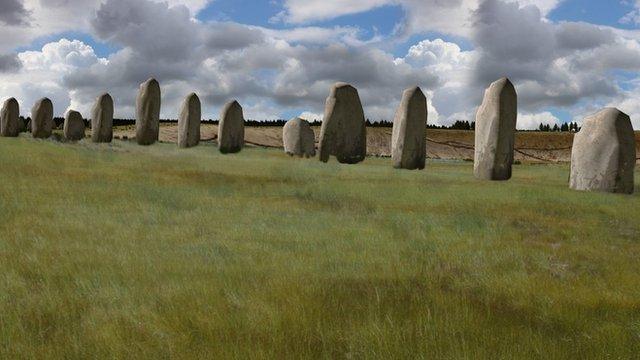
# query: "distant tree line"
{"type": "Point", "coordinates": [457, 125]}
{"type": "Point", "coordinates": [570, 127]}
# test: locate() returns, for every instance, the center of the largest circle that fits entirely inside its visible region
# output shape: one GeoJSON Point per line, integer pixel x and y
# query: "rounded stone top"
{"type": "Point", "coordinates": [150, 82]}
{"type": "Point", "coordinates": [73, 113]}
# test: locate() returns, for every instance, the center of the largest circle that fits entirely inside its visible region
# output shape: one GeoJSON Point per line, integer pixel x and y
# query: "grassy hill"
{"type": "Point", "coordinates": [121, 251]}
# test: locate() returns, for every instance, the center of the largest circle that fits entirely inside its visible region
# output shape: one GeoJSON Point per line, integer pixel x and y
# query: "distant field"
{"type": "Point", "coordinates": [531, 147]}
{"type": "Point", "coordinates": [127, 252]}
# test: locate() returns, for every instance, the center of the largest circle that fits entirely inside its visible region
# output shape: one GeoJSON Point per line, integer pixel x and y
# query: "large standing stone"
{"type": "Point", "coordinates": [148, 113]}
{"type": "Point", "coordinates": [495, 132]}
{"type": "Point", "coordinates": [102, 119]}
{"type": "Point", "coordinates": [189, 122]}
{"type": "Point", "coordinates": [343, 133]}
{"type": "Point", "coordinates": [10, 123]}
{"type": "Point", "coordinates": [73, 126]}
{"type": "Point", "coordinates": [408, 141]}
{"type": "Point", "coordinates": [299, 138]}
{"type": "Point", "coordinates": [42, 119]}
{"type": "Point", "coordinates": [231, 128]}
{"type": "Point", "coordinates": [603, 156]}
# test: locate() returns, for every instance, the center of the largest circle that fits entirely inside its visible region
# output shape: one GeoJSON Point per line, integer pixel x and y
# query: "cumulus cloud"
{"type": "Point", "coordinates": [533, 121]}
{"type": "Point", "coordinates": [275, 71]}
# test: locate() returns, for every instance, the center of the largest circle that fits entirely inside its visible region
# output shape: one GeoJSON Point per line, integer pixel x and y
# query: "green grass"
{"type": "Point", "coordinates": [130, 252]}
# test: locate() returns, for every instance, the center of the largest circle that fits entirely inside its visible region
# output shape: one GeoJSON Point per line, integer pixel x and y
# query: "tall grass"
{"type": "Point", "coordinates": [121, 251]}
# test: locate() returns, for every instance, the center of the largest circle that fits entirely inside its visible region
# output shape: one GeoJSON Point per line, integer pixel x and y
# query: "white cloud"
{"type": "Point", "coordinates": [533, 121]}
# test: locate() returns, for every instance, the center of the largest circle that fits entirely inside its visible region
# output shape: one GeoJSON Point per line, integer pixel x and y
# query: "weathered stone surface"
{"type": "Point", "coordinates": [42, 119]}
{"type": "Point", "coordinates": [189, 122]}
{"type": "Point", "coordinates": [299, 138]}
{"type": "Point", "coordinates": [495, 132]}
{"type": "Point", "coordinates": [102, 119]}
{"type": "Point", "coordinates": [73, 126]}
{"type": "Point", "coordinates": [148, 113]}
{"type": "Point", "coordinates": [603, 156]}
{"type": "Point", "coordinates": [343, 133]}
{"type": "Point", "coordinates": [231, 128]}
{"type": "Point", "coordinates": [10, 123]}
{"type": "Point", "coordinates": [408, 140]}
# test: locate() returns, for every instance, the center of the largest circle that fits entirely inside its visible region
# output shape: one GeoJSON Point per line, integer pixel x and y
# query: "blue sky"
{"type": "Point", "coordinates": [278, 58]}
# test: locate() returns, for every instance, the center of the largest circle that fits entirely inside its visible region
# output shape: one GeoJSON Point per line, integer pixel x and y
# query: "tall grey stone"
{"type": "Point", "coordinates": [73, 126]}
{"type": "Point", "coordinates": [42, 119]}
{"type": "Point", "coordinates": [408, 140]}
{"type": "Point", "coordinates": [343, 133]}
{"type": "Point", "coordinates": [102, 119]}
{"type": "Point", "coordinates": [495, 132]}
{"type": "Point", "coordinates": [189, 122]}
{"type": "Point", "coordinates": [231, 128]}
{"type": "Point", "coordinates": [603, 156]}
{"type": "Point", "coordinates": [10, 123]}
{"type": "Point", "coordinates": [148, 112]}
{"type": "Point", "coordinates": [299, 138]}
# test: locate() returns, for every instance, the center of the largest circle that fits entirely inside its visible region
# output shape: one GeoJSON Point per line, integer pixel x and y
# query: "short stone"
{"type": "Point", "coordinates": [10, 123]}
{"type": "Point", "coordinates": [42, 119]}
{"type": "Point", "coordinates": [298, 138]}
{"type": "Point", "coordinates": [73, 126]}
{"type": "Point", "coordinates": [603, 156]}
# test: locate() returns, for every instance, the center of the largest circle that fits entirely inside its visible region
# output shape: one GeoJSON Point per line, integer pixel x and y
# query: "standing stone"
{"type": "Point", "coordinates": [408, 141]}
{"type": "Point", "coordinates": [102, 119]}
{"type": "Point", "coordinates": [343, 133]}
{"type": "Point", "coordinates": [42, 119]}
{"type": "Point", "coordinates": [495, 132]}
{"type": "Point", "coordinates": [299, 138]}
{"type": "Point", "coordinates": [73, 126]}
{"type": "Point", "coordinates": [603, 156]}
{"type": "Point", "coordinates": [148, 113]}
{"type": "Point", "coordinates": [10, 125]}
{"type": "Point", "coordinates": [231, 128]}
{"type": "Point", "coordinates": [189, 122]}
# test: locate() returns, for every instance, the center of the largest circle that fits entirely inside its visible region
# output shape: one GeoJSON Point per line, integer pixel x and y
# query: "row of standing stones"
{"type": "Point", "coordinates": [603, 154]}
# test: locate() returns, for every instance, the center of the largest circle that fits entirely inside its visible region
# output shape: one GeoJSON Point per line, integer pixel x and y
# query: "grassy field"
{"type": "Point", "coordinates": [120, 251]}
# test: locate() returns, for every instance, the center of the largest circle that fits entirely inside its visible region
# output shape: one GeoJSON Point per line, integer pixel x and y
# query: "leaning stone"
{"type": "Point", "coordinates": [10, 123]}
{"type": "Point", "coordinates": [408, 141]}
{"type": "Point", "coordinates": [299, 138]}
{"type": "Point", "coordinates": [102, 119]}
{"type": "Point", "coordinates": [343, 133]}
{"type": "Point", "coordinates": [231, 128]}
{"type": "Point", "coordinates": [189, 122]}
{"type": "Point", "coordinates": [495, 132]}
{"type": "Point", "coordinates": [148, 113]}
{"type": "Point", "coordinates": [603, 156]}
{"type": "Point", "coordinates": [42, 119]}
{"type": "Point", "coordinates": [73, 126]}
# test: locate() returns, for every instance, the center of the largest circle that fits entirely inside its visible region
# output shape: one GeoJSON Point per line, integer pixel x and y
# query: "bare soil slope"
{"type": "Point", "coordinates": [441, 144]}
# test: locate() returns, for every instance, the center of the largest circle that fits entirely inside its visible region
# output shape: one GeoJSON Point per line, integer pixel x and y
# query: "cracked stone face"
{"type": "Point", "coordinates": [408, 140]}
{"type": "Point", "coordinates": [343, 133]}
{"type": "Point", "coordinates": [603, 155]}
{"type": "Point", "coordinates": [495, 132]}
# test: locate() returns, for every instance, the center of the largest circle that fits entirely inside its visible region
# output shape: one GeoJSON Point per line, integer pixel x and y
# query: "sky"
{"type": "Point", "coordinates": [279, 58]}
